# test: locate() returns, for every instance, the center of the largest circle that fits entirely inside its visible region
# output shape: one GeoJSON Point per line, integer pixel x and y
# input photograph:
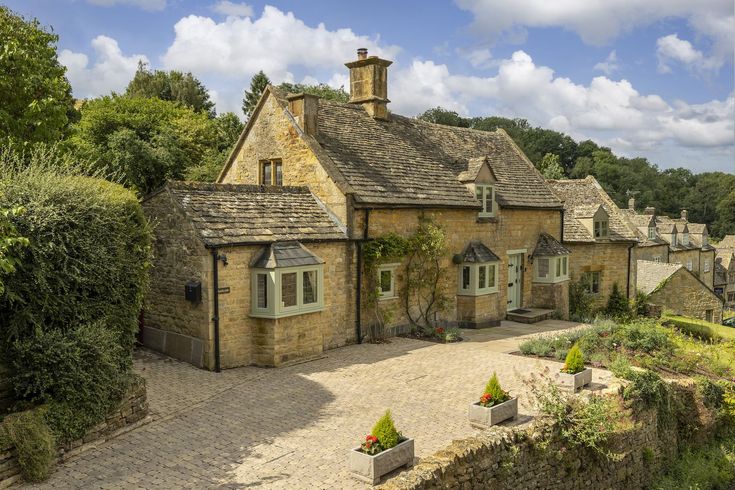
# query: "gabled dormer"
{"type": "Point", "coordinates": [480, 180]}
{"type": "Point", "coordinates": [651, 229]}
{"type": "Point", "coordinates": [595, 219]}
{"type": "Point", "coordinates": [685, 236]}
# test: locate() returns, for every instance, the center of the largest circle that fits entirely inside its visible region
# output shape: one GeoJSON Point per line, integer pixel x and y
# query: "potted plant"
{"type": "Point", "coordinates": [495, 406]}
{"type": "Point", "coordinates": [574, 375]}
{"type": "Point", "coordinates": [383, 450]}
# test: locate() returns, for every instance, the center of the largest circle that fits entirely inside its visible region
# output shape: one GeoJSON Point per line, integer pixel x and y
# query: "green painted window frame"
{"type": "Point", "coordinates": [474, 287]}
{"type": "Point", "coordinates": [557, 270]}
{"type": "Point", "coordinates": [588, 278]}
{"type": "Point", "coordinates": [390, 293]}
{"type": "Point", "coordinates": [482, 192]}
{"type": "Point", "coordinates": [604, 228]}
{"type": "Point", "coordinates": [274, 306]}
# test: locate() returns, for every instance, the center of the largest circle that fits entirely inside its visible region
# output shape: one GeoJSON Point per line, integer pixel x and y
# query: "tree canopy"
{"type": "Point", "coordinates": [251, 97]}
{"type": "Point", "coordinates": [35, 97]}
{"type": "Point", "coordinates": [320, 90]}
{"type": "Point", "coordinates": [172, 85]}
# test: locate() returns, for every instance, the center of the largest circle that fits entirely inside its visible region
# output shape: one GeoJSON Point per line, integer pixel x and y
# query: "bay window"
{"type": "Point", "coordinates": [551, 269]}
{"type": "Point", "coordinates": [476, 279]}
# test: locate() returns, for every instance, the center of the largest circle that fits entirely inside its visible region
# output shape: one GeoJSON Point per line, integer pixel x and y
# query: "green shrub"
{"type": "Point", "coordinates": [643, 336]}
{"type": "Point", "coordinates": [497, 394]}
{"type": "Point", "coordinates": [639, 303]}
{"type": "Point", "coordinates": [34, 443]}
{"type": "Point", "coordinates": [617, 304]}
{"type": "Point", "coordinates": [574, 362]}
{"type": "Point", "coordinates": [713, 394]}
{"type": "Point", "coordinates": [385, 431]}
{"type": "Point", "coordinates": [708, 467]}
{"type": "Point", "coordinates": [580, 301]}
{"type": "Point", "coordinates": [700, 328]}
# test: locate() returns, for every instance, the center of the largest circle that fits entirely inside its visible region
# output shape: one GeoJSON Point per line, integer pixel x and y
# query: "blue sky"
{"type": "Point", "coordinates": [649, 78]}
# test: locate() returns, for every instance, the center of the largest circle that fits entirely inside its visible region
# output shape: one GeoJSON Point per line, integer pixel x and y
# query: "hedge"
{"type": "Point", "coordinates": [69, 312]}
{"type": "Point", "coordinates": [701, 328]}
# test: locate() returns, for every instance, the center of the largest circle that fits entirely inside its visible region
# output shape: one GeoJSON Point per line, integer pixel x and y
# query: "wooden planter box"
{"type": "Point", "coordinates": [370, 468]}
{"type": "Point", "coordinates": [575, 381]}
{"type": "Point", "coordinates": [483, 417]}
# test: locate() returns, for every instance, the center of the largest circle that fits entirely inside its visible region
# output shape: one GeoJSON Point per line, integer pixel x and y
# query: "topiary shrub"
{"type": "Point", "coordinates": [580, 301]}
{"type": "Point", "coordinates": [33, 441]}
{"type": "Point", "coordinates": [493, 393]}
{"type": "Point", "coordinates": [574, 362]}
{"type": "Point", "coordinates": [617, 304]}
{"type": "Point", "coordinates": [385, 431]}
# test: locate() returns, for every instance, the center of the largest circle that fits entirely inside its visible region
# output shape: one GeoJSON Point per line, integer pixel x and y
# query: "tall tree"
{"type": "Point", "coordinates": [35, 96]}
{"type": "Point", "coordinates": [321, 90]}
{"type": "Point", "coordinates": [257, 86]}
{"type": "Point", "coordinates": [550, 167]}
{"type": "Point", "coordinates": [228, 128]}
{"type": "Point", "coordinates": [439, 115]}
{"type": "Point", "coordinates": [172, 85]}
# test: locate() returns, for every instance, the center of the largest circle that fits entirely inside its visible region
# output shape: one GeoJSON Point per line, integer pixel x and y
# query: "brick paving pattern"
{"type": "Point", "coordinates": [292, 427]}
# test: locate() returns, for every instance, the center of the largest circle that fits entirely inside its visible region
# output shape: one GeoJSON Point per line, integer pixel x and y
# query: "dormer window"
{"type": "Point", "coordinates": [704, 240]}
{"type": "Point", "coordinates": [601, 228]}
{"type": "Point", "coordinates": [486, 195]}
{"type": "Point", "coordinates": [685, 239]}
{"type": "Point", "coordinates": [651, 232]}
{"type": "Point", "coordinates": [673, 240]}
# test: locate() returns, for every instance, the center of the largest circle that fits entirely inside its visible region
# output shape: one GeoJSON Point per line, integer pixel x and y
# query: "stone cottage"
{"type": "Point", "coordinates": [675, 288]}
{"type": "Point", "coordinates": [725, 269]}
{"type": "Point", "coordinates": [364, 172]}
{"type": "Point", "coordinates": [671, 240]}
{"type": "Point", "coordinates": [596, 234]}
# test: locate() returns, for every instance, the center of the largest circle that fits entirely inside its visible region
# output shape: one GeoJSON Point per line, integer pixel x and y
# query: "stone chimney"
{"type": "Point", "coordinates": [684, 214]}
{"type": "Point", "coordinates": [649, 211]}
{"type": "Point", "coordinates": [305, 109]}
{"type": "Point", "coordinates": [369, 83]}
{"type": "Point", "coordinates": [631, 203]}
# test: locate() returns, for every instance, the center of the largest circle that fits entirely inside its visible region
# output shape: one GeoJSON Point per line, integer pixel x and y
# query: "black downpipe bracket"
{"type": "Point", "coordinates": [358, 289]}
{"type": "Point", "coordinates": [215, 317]}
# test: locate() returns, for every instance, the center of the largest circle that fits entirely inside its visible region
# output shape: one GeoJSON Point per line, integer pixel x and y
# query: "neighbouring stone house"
{"type": "Point", "coordinates": [598, 237]}
{"type": "Point", "coordinates": [671, 240]}
{"type": "Point", "coordinates": [725, 269]}
{"type": "Point", "coordinates": [675, 288]}
{"type": "Point", "coordinates": [365, 173]}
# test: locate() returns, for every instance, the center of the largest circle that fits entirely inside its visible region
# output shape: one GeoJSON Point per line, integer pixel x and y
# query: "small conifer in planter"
{"type": "Point", "coordinates": [495, 406]}
{"type": "Point", "coordinates": [383, 450]}
{"type": "Point", "coordinates": [574, 375]}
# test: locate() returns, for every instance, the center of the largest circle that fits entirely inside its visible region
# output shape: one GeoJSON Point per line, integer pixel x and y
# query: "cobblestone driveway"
{"type": "Point", "coordinates": [292, 427]}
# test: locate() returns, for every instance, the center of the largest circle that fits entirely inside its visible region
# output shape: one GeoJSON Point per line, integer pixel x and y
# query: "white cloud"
{"type": "Point", "coordinates": [144, 4]}
{"type": "Point", "coordinates": [111, 70]}
{"type": "Point", "coordinates": [672, 49]}
{"type": "Point", "coordinates": [479, 58]}
{"type": "Point", "coordinates": [609, 65]}
{"type": "Point", "coordinates": [225, 7]}
{"type": "Point", "coordinates": [276, 42]}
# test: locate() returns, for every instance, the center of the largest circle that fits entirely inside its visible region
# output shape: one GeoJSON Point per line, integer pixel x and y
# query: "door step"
{"type": "Point", "coordinates": [529, 315]}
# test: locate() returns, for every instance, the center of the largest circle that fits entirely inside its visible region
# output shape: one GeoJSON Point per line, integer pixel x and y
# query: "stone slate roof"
{"type": "Point", "coordinates": [548, 246]}
{"type": "Point", "coordinates": [477, 252]}
{"type": "Point", "coordinates": [650, 274]}
{"type": "Point", "coordinates": [727, 242]}
{"type": "Point", "coordinates": [720, 273]}
{"type": "Point", "coordinates": [285, 254]}
{"type": "Point", "coordinates": [229, 214]}
{"type": "Point", "coordinates": [407, 162]}
{"type": "Point", "coordinates": [582, 198]}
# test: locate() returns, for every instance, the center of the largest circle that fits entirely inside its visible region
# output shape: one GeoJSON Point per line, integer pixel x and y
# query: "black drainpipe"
{"type": "Point", "coordinates": [358, 291]}
{"type": "Point", "coordinates": [561, 231]}
{"type": "Point", "coordinates": [215, 318]}
{"type": "Point", "coordinates": [627, 289]}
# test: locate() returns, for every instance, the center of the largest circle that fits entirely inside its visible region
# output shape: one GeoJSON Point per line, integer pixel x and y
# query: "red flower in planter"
{"type": "Point", "coordinates": [371, 438]}
{"type": "Point", "coordinates": [439, 330]}
{"type": "Point", "coordinates": [486, 400]}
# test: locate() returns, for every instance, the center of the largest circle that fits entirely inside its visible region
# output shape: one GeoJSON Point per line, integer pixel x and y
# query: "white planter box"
{"type": "Point", "coordinates": [575, 381]}
{"type": "Point", "coordinates": [370, 468]}
{"type": "Point", "coordinates": [483, 417]}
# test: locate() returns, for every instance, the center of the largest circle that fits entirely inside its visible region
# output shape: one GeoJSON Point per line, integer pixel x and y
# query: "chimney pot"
{"type": "Point", "coordinates": [362, 53]}
{"type": "Point", "coordinates": [684, 214]}
{"type": "Point", "coordinates": [369, 84]}
{"type": "Point", "coordinates": [631, 203]}
{"type": "Point", "coordinates": [649, 211]}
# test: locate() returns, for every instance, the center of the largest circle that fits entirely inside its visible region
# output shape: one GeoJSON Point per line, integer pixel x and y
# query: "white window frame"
{"type": "Point", "coordinates": [604, 226]}
{"type": "Point", "coordinates": [706, 265]}
{"type": "Point", "coordinates": [591, 283]}
{"type": "Point", "coordinates": [685, 239]}
{"type": "Point", "coordinates": [673, 240]}
{"type": "Point", "coordinates": [274, 307]}
{"type": "Point", "coordinates": [651, 232]}
{"type": "Point", "coordinates": [689, 265]}
{"type": "Point", "coordinates": [474, 288]}
{"type": "Point", "coordinates": [482, 192]}
{"type": "Point", "coordinates": [391, 294]}
{"type": "Point", "coordinates": [657, 258]}
{"type": "Point", "coordinates": [558, 269]}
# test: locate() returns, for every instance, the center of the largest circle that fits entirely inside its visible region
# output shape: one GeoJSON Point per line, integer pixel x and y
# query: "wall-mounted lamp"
{"type": "Point", "coordinates": [223, 258]}
{"type": "Point", "coordinates": [530, 258]}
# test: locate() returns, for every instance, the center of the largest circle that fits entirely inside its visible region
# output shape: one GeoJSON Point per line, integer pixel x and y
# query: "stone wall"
{"type": "Point", "coordinates": [683, 294]}
{"type": "Point", "coordinates": [683, 257]}
{"type": "Point", "coordinates": [171, 324]}
{"type": "Point", "coordinates": [610, 259]}
{"type": "Point", "coordinates": [553, 296]}
{"type": "Point", "coordinates": [131, 413]}
{"type": "Point", "coordinates": [511, 230]}
{"type": "Point", "coordinates": [707, 277]}
{"type": "Point", "coordinates": [503, 457]}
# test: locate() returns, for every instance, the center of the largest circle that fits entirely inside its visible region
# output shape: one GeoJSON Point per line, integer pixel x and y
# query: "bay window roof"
{"type": "Point", "coordinates": [284, 254]}
{"type": "Point", "coordinates": [548, 246]}
{"type": "Point", "coordinates": [477, 252]}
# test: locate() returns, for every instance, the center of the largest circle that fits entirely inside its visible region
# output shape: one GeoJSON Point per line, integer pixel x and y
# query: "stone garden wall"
{"type": "Point", "coordinates": [131, 413]}
{"type": "Point", "coordinates": [502, 457]}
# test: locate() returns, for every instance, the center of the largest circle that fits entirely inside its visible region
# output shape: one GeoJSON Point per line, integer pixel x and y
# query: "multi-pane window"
{"type": "Point", "coordinates": [287, 291]}
{"type": "Point", "coordinates": [387, 281]}
{"type": "Point", "coordinates": [601, 228]}
{"type": "Point", "coordinates": [706, 265]}
{"type": "Point", "coordinates": [708, 315]}
{"type": "Point", "coordinates": [486, 195]}
{"type": "Point", "coordinates": [271, 172]}
{"type": "Point", "coordinates": [592, 280]}
{"type": "Point", "coordinates": [551, 269]}
{"type": "Point", "coordinates": [476, 279]}
{"type": "Point", "coordinates": [651, 232]}
{"type": "Point", "coordinates": [673, 240]}
{"type": "Point", "coordinates": [685, 239]}
{"type": "Point", "coordinates": [689, 264]}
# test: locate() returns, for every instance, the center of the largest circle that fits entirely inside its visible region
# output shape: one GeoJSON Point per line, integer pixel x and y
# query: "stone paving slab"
{"type": "Point", "coordinates": [292, 427]}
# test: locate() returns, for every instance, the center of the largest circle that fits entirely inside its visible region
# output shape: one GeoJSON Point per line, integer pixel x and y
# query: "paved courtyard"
{"type": "Point", "coordinates": [292, 427]}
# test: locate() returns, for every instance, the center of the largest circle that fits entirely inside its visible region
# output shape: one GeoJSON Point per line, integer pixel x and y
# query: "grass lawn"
{"type": "Point", "coordinates": [700, 328]}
